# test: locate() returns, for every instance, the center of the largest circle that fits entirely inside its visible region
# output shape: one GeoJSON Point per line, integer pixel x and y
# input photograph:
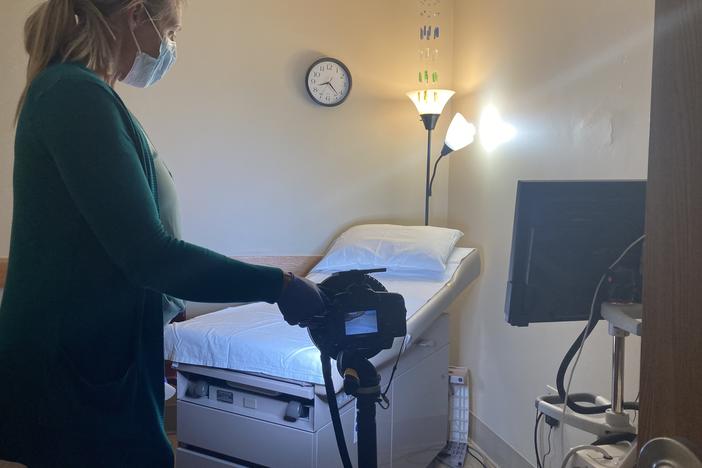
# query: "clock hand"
{"type": "Point", "coordinates": [332, 87]}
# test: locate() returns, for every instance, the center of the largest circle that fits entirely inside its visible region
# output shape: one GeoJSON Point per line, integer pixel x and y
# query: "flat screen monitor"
{"type": "Point", "coordinates": [566, 235]}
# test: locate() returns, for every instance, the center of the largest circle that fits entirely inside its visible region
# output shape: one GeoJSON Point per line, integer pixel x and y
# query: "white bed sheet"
{"type": "Point", "coordinates": [254, 337]}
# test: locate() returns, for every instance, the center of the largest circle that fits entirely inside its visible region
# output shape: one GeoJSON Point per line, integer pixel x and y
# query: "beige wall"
{"type": "Point", "coordinates": [259, 168]}
{"type": "Point", "coordinates": [12, 69]}
{"type": "Point", "coordinates": [574, 78]}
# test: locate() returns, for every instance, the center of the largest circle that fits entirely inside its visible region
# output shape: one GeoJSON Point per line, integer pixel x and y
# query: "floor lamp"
{"type": "Point", "coordinates": [430, 103]}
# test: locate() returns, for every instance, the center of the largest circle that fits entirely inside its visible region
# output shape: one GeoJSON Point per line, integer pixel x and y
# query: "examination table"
{"type": "Point", "coordinates": [250, 387]}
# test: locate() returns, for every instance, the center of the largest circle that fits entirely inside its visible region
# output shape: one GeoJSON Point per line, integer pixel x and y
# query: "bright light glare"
{"type": "Point", "coordinates": [493, 130]}
{"type": "Point", "coordinates": [461, 133]}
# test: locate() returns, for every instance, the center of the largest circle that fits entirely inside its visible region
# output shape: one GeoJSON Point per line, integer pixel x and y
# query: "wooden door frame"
{"type": "Point", "coordinates": [671, 346]}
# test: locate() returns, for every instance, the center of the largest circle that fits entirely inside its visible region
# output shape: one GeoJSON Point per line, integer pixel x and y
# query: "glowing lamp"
{"type": "Point", "coordinates": [430, 103]}
{"type": "Point", "coordinates": [460, 134]}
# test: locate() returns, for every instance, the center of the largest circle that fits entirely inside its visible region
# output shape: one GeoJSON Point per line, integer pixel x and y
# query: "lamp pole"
{"type": "Point", "coordinates": [426, 192]}
{"type": "Point", "coordinates": [429, 121]}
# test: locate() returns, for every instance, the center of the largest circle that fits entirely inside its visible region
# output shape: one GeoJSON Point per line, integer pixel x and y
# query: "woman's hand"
{"type": "Point", "coordinates": [300, 300]}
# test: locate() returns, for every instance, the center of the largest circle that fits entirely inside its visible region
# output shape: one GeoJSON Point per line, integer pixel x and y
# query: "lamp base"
{"type": "Point", "coordinates": [430, 120]}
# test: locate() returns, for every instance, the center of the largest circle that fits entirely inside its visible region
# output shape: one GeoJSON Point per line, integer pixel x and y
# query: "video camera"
{"type": "Point", "coordinates": [361, 319]}
{"type": "Point", "coordinates": [362, 315]}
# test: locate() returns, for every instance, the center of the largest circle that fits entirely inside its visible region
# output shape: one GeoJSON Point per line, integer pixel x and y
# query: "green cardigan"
{"type": "Point", "coordinates": [81, 331]}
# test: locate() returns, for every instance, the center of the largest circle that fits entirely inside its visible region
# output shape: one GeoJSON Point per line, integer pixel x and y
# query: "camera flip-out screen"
{"type": "Point", "coordinates": [361, 322]}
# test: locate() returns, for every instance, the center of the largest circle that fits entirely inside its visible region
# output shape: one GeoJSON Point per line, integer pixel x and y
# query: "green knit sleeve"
{"type": "Point", "coordinates": [82, 126]}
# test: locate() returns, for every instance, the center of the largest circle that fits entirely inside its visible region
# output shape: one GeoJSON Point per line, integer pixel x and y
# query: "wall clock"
{"type": "Point", "coordinates": [328, 82]}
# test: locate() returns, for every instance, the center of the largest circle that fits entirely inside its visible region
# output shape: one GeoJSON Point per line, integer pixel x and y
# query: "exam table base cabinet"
{"type": "Point", "coordinates": [216, 433]}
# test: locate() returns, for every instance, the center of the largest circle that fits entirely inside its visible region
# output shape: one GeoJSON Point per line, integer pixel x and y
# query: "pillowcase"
{"type": "Point", "coordinates": [400, 249]}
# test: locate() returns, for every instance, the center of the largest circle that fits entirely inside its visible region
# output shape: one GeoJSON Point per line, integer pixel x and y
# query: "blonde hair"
{"type": "Point", "coordinates": [76, 31]}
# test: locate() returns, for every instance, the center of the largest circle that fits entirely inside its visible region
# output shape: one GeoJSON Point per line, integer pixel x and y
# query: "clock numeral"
{"type": "Point", "coordinates": [316, 74]}
{"type": "Point", "coordinates": [329, 67]}
{"type": "Point", "coordinates": [313, 81]}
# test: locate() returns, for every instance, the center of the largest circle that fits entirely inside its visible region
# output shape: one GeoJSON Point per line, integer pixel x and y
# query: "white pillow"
{"type": "Point", "coordinates": [401, 249]}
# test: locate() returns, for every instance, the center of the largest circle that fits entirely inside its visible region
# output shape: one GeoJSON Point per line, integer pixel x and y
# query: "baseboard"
{"type": "Point", "coordinates": [500, 452]}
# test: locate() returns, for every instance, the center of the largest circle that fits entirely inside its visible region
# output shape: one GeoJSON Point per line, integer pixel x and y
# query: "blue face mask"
{"type": "Point", "coordinates": [147, 70]}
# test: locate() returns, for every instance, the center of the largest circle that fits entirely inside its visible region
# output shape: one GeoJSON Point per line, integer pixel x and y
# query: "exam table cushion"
{"type": "Point", "coordinates": [400, 249]}
{"type": "Point", "coordinates": [254, 338]}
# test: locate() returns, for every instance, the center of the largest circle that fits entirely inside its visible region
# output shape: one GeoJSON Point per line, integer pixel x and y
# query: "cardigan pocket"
{"type": "Point", "coordinates": [110, 394]}
{"type": "Point", "coordinates": [90, 406]}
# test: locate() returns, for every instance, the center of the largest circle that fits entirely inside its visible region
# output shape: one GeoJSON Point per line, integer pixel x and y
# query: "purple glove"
{"type": "Point", "coordinates": [300, 300]}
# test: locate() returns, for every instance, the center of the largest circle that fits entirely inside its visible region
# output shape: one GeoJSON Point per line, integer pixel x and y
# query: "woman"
{"type": "Point", "coordinates": [91, 265]}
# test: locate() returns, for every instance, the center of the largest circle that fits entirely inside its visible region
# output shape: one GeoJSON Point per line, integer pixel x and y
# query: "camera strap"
{"type": "Point", "coordinates": [334, 411]}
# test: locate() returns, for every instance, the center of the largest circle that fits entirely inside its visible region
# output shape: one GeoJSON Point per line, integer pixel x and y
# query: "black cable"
{"type": "Point", "coordinates": [434, 173]}
{"type": "Point", "coordinates": [611, 439]}
{"type": "Point", "coordinates": [536, 438]}
{"type": "Point", "coordinates": [478, 459]}
{"type": "Point", "coordinates": [548, 452]}
{"type": "Point", "coordinates": [392, 374]}
{"type": "Point", "coordinates": [560, 376]}
{"type": "Point", "coordinates": [565, 363]}
{"type": "Point", "coordinates": [633, 421]}
{"type": "Point", "coordinates": [334, 411]}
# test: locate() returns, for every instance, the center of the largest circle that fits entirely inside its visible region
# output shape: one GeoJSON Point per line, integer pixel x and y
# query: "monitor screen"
{"type": "Point", "coordinates": [361, 323]}
{"type": "Point", "coordinates": [566, 234]}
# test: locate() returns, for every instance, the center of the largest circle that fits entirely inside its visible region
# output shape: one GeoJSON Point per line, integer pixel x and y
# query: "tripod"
{"type": "Point", "coordinates": [361, 380]}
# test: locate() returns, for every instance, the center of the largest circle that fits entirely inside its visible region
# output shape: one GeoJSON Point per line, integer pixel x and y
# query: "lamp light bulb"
{"type": "Point", "coordinates": [460, 134]}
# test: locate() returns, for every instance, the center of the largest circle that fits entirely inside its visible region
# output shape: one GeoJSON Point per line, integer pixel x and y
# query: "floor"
{"type": "Point", "coordinates": [470, 462]}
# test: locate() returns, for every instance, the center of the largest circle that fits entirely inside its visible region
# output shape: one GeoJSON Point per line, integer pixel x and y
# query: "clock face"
{"type": "Point", "coordinates": [328, 82]}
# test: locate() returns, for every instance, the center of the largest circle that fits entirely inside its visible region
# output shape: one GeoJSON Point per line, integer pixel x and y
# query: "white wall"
{"type": "Point", "coordinates": [259, 168]}
{"type": "Point", "coordinates": [575, 80]}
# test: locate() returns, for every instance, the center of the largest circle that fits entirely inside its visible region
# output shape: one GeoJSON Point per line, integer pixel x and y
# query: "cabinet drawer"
{"type": "Point", "coordinates": [188, 459]}
{"type": "Point", "coordinates": [243, 437]}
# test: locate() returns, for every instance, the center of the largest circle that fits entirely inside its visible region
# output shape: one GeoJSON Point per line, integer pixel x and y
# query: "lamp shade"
{"type": "Point", "coordinates": [460, 134]}
{"type": "Point", "coordinates": [430, 101]}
